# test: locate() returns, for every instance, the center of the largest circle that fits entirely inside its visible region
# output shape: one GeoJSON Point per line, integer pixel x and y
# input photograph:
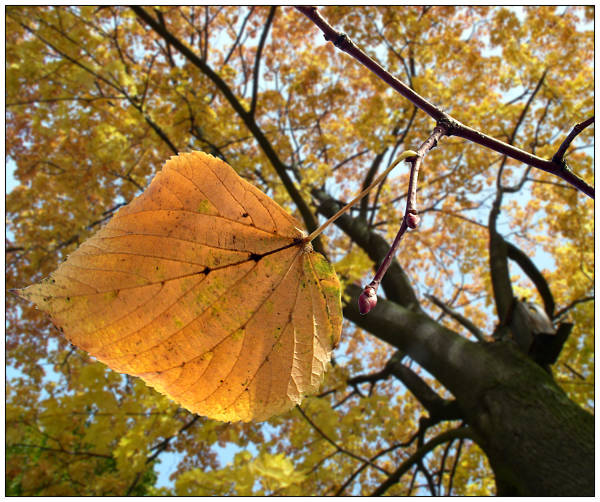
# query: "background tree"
{"type": "Point", "coordinates": [421, 398]}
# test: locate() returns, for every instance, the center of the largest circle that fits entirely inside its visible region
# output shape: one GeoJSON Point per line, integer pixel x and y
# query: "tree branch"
{"type": "Point", "coordinates": [158, 449]}
{"type": "Point", "coordinates": [368, 180]}
{"type": "Point", "coordinates": [558, 157]}
{"type": "Point", "coordinates": [336, 446]}
{"type": "Point", "coordinates": [565, 309]}
{"type": "Point", "coordinates": [426, 342]}
{"type": "Point", "coordinates": [438, 409]}
{"type": "Point", "coordinates": [59, 450]}
{"type": "Point", "coordinates": [396, 283]}
{"type": "Point", "coordinates": [261, 44]}
{"type": "Point", "coordinates": [460, 433]}
{"type": "Point", "coordinates": [454, 465]}
{"type": "Point", "coordinates": [238, 37]}
{"type": "Point", "coordinates": [458, 317]}
{"type": "Point", "coordinates": [374, 457]}
{"type": "Point", "coordinates": [455, 128]}
{"type": "Point", "coordinates": [410, 220]}
{"type": "Point", "coordinates": [525, 263]}
{"type": "Point", "coordinates": [498, 247]}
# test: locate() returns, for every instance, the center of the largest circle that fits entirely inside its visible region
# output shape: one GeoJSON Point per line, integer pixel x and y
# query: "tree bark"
{"type": "Point", "coordinates": [537, 440]}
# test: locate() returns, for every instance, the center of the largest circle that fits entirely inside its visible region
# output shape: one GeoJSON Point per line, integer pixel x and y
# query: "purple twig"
{"type": "Point", "coordinates": [560, 153]}
{"type": "Point", "coordinates": [368, 298]}
{"type": "Point", "coordinates": [455, 128]}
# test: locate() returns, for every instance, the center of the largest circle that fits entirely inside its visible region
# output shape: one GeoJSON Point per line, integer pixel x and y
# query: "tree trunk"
{"type": "Point", "coordinates": [537, 440]}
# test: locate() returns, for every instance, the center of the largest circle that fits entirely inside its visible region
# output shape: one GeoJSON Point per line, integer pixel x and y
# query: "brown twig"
{"type": "Point", "coordinates": [454, 466]}
{"type": "Point", "coordinates": [564, 310]}
{"type": "Point", "coordinates": [158, 449]}
{"type": "Point", "coordinates": [58, 450]}
{"type": "Point", "coordinates": [374, 457]}
{"type": "Point", "coordinates": [257, 59]}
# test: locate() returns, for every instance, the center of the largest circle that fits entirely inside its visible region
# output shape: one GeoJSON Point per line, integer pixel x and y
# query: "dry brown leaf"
{"type": "Point", "coordinates": [203, 287]}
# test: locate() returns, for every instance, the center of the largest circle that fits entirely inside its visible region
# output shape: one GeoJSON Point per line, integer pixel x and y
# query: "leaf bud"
{"type": "Point", "coordinates": [367, 300]}
{"type": "Point", "coordinates": [412, 220]}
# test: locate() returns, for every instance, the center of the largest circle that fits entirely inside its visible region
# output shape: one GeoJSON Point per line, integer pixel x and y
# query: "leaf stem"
{"type": "Point", "coordinates": [407, 154]}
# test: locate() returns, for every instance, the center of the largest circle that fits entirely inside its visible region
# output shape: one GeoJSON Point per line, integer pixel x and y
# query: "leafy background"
{"type": "Point", "coordinates": [96, 103]}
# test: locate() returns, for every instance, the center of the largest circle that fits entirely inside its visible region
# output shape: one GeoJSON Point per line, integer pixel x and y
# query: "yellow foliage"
{"type": "Point", "coordinates": [96, 101]}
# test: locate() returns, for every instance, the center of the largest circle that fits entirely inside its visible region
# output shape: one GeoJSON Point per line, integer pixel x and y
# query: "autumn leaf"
{"type": "Point", "coordinates": [204, 288]}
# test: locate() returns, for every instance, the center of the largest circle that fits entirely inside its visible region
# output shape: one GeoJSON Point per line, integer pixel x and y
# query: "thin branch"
{"type": "Point", "coordinates": [58, 450]}
{"type": "Point", "coordinates": [526, 107]}
{"type": "Point", "coordinates": [248, 120]}
{"type": "Point", "coordinates": [518, 256]}
{"type": "Point", "coordinates": [462, 432]}
{"type": "Point", "coordinates": [239, 36]}
{"type": "Point", "coordinates": [453, 472]}
{"type": "Point", "coordinates": [369, 179]}
{"type": "Point", "coordinates": [560, 153]}
{"type": "Point", "coordinates": [404, 156]}
{"type": "Point", "coordinates": [498, 247]}
{"type": "Point", "coordinates": [336, 446]}
{"type": "Point", "coordinates": [373, 458]}
{"type": "Point", "coordinates": [574, 371]}
{"type": "Point", "coordinates": [455, 128]}
{"type": "Point", "coordinates": [458, 317]}
{"type": "Point", "coordinates": [158, 449]}
{"type": "Point", "coordinates": [440, 473]}
{"type": "Point", "coordinates": [428, 477]}
{"type": "Point", "coordinates": [438, 409]}
{"type": "Point", "coordinates": [396, 283]}
{"type": "Point", "coordinates": [259, 50]}
{"type": "Point", "coordinates": [399, 141]}
{"type": "Point", "coordinates": [349, 159]}
{"type": "Point", "coordinates": [342, 42]}
{"type": "Point", "coordinates": [564, 310]}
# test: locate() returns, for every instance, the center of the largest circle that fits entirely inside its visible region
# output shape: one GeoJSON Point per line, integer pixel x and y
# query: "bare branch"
{"type": "Point", "coordinates": [248, 120]}
{"type": "Point", "coordinates": [564, 310]}
{"type": "Point", "coordinates": [396, 283]}
{"type": "Point", "coordinates": [462, 432]}
{"type": "Point", "coordinates": [454, 465]}
{"type": "Point", "coordinates": [159, 448]}
{"type": "Point", "coordinates": [261, 44]}
{"type": "Point", "coordinates": [410, 220]}
{"type": "Point", "coordinates": [239, 36]}
{"type": "Point", "coordinates": [58, 450]}
{"type": "Point", "coordinates": [458, 317]}
{"type": "Point", "coordinates": [373, 458]}
{"type": "Point", "coordinates": [525, 263]}
{"type": "Point", "coordinates": [455, 128]}
{"type": "Point", "coordinates": [336, 446]}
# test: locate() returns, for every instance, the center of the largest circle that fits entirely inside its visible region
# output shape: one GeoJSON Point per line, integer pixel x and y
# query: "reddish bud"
{"type": "Point", "coordinates": [412, 220]}
{"type": "Point", "coordinates": [367, 300]}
